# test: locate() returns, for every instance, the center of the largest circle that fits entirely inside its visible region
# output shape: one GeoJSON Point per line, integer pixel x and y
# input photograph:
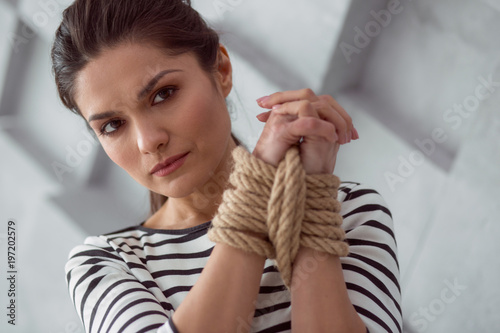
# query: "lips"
{"type": "Point", "coordinates": [169, 165]}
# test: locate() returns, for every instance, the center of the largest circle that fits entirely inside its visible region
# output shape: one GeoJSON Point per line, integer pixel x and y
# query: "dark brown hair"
{"type": "Point", "coordinates": [89, 27]}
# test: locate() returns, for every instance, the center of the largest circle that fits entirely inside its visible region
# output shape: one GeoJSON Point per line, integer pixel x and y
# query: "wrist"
{"type": "Point", "coordinates": [239, 256]}
{"type": "Point", "coordinates": [312, 266]}
{"type": "Point", "coordinates": [268, 156]}
{"type": "Point", "coordinates": [312, 256]}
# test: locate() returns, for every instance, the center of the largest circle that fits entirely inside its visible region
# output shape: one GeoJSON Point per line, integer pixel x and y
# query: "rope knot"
{"type": "Point", "coordinates": [273, 211]}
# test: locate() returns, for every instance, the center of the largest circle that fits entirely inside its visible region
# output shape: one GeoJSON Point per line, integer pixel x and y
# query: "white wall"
{"type": "Point", "coordinates": [398, 88]}
{"type": "Point", "coordinates": [423, 75]}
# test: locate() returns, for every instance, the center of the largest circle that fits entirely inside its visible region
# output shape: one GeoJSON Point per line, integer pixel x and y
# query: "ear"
{"type": "Point", "coordinates": [224, 71]}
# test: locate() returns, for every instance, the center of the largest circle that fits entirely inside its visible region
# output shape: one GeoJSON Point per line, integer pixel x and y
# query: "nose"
{"type": "Point", "coordinates": [151, 136]}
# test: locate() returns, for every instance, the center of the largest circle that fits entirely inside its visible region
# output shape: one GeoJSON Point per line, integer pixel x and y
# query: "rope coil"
{"type": "Point", "coordinates": [273, 211]}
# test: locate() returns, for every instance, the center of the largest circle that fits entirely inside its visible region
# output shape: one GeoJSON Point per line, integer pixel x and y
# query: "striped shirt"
{"type": "Point", "coordinates": [134, 279]}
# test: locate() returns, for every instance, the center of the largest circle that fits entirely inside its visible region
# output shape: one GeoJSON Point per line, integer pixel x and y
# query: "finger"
{"type": "Point", "coordinates": [351, 132]}
{"type": "Point", "coordinates": [287, 96]}
{"type": "Point", "coordinates": [313, 128]}
{"type": "Point", "coordinates": [263, 117]}
{"type": "Point", "coordinates": [298, 109]}
{"type": "Point", "coordinates": [356, 134]}
{"type": "Point", "coordinates": [320, 109]}
{"type": "Point", "coordinates": [343, 125]}
{"type": "Point", "coordinates": [330, 114]}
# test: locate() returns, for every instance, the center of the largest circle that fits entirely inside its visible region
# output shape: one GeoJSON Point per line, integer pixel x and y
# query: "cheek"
{"type": "Point", "coordinates": [209, 120]}
{"type": "Point", "coordinates": [121, 155]}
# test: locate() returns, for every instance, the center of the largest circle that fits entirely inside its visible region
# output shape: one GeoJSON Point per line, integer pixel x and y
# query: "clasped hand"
{"type": "Point", "coordinates": [318, 124]}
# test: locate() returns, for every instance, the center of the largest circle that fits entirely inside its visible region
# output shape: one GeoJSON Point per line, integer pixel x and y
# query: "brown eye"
{"type": "Point", "coordinates": [163, 95]}
{"type": "Point", "coordinates": [111, 126]}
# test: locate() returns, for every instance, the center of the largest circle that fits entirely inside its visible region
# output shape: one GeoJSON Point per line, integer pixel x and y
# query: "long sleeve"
{"type": "Point", "coordinates": [371, 270]}
{"type": "Point", "coordinates": [133, 280]}
{"type": "Point", "coordinates": [106, 296]}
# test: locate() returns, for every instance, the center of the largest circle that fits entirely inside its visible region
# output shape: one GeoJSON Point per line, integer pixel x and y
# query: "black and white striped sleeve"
{"type": "Point", "coordinates": [107, 297]}
{"type": "Point", "coordinates": [371, 271]}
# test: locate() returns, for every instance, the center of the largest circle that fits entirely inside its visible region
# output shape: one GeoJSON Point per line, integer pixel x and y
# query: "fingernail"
{"type": "Point", "coordinates": [262, 100]}
{"type": "Point", "coordinates": [277, 106]}
{"type": "Point", "coordinates": [346, 138]}
{"type": "Point", "coordinates": [263, 116]}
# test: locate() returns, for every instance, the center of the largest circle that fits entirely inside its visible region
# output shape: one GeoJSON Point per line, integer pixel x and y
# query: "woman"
{"type": "Point", "coordinates": [150, 78]}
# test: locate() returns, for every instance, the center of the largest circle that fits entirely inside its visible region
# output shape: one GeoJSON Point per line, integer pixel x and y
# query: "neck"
{"type": "Point", "coordinates": [199, 207]}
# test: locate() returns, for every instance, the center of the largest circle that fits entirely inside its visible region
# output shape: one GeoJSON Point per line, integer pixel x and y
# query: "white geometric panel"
{"type": "Point", "coordinates": [7, 39]}
{"type": "Point", "coordinates": [280, 38]}
{"type": "Point", "coordinates": [377, 158]}
{"type": "Point", "coordinates": [428, 58]}
{"type": "Point", "coordinates": [442, 56]}
{"type": "Point", "coordinates": [457, 263]}
{"type": "Point", "coordinates": [43, 16]}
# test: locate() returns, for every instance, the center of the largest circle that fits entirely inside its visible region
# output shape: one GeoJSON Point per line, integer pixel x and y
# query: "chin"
{"type": "Point", "coordinates": [176, 189]}
{"type": "Point", "coordinates": [181, 187]}
{"type": "Point", "coordinates": [207, 180]}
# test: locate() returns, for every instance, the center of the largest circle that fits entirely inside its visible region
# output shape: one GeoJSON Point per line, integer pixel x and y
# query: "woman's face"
{"type": "Point", "coordinates": [153, 112]}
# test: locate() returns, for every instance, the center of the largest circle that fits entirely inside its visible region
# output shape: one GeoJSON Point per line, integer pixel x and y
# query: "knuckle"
{"type": "Point", "coordinates": [304, 105]}
{"type": "Point", "coordinates": [323, 104]}
{"type": "Point", "coordinates": [276, 96]}
{"type": "Point", "coordinates": [308, 93]}
{"type": "Point", "coordinates": [310, 124]}
{"type": "Point", "coordinates": [327, 99]}
{"type": "Point", "coordinates": [277, 121]}
{"type": "Point", "coordinates": [331, 132]}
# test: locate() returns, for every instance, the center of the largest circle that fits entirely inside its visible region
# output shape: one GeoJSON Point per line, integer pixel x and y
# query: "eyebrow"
{"type": "Point", "coordinates": [146, 90]}
{"type": "Point", "coordinates": [152, 83]}
{"type": "Point", "coordinates": [103, 115]}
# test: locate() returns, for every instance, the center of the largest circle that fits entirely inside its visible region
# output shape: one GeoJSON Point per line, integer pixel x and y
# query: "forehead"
{"type": "Point", "coordinates": [120, 73]}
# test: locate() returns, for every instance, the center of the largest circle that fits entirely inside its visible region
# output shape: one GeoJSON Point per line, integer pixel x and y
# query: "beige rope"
{"type": "Point", "coordinates": [273, 211]}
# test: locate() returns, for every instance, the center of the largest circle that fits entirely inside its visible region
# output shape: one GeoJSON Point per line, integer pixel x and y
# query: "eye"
{"type": "Point", "coordinates": [111, 126]}
{"type": "Point", "coordinates": [163, 95]}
